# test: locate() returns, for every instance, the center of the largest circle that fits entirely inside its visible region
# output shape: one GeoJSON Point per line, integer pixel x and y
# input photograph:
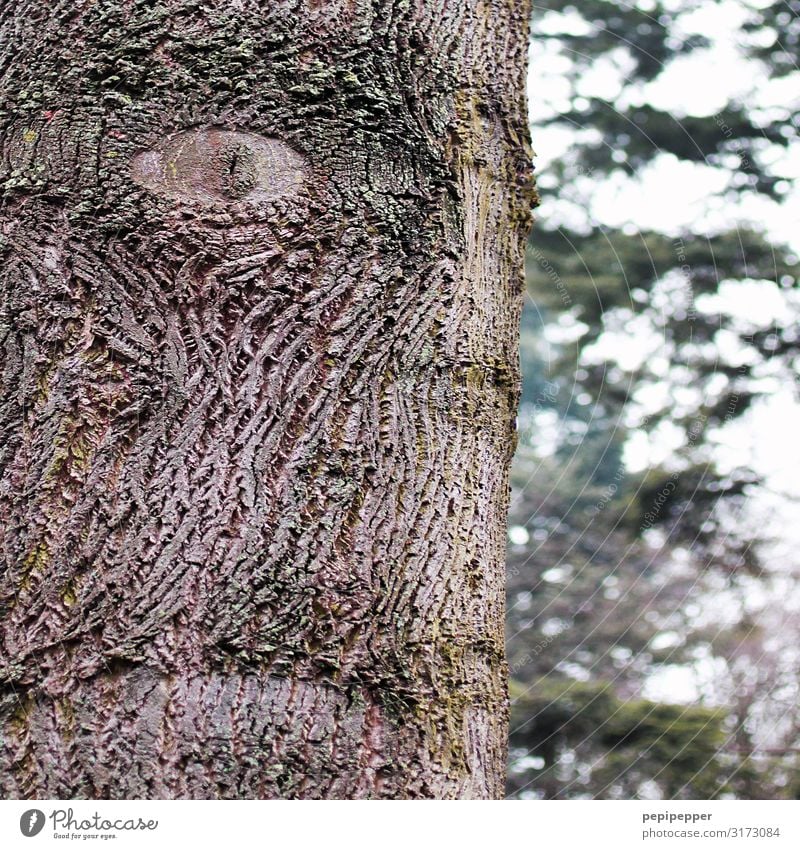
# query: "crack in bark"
{"type": "Point", "coordinates": [254, 439]}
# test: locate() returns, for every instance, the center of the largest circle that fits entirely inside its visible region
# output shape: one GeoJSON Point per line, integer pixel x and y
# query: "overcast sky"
{"type": "Point", "coordinates": [675, 197]}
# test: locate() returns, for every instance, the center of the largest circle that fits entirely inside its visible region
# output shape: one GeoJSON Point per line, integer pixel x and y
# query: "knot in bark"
{"type": "Point", "coordinates": [214, 166]}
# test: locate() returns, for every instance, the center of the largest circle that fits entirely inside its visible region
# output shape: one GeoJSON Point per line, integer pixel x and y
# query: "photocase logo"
{"type": "Point", "coordinates": [66, 824]}
{"type": "Point", "coordinates": [31, 822]}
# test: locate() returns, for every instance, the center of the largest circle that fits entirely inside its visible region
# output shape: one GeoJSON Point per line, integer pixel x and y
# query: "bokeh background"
{"type": "Point", "coordinates": [654, 603]}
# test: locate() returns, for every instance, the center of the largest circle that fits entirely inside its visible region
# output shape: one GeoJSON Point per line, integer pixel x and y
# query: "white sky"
{"type": "Point", "coordinates": [674, 197]}
{"type": "Point", "coordinates": [670, 195]}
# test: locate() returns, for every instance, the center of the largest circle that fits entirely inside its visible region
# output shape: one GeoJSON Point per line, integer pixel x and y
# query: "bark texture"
{"type": "Point", "coordinates": [260, 282]}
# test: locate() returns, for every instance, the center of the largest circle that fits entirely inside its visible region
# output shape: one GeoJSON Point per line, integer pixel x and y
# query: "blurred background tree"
{"type": "Point", "coordinates": [653, 602]}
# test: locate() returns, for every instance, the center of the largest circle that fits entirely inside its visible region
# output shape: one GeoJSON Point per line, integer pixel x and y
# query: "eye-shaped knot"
{"type": "Point", "coordinates": [218, 167]}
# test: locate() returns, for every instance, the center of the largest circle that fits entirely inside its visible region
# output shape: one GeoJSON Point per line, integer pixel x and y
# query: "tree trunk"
{"type": "Point", "coordinates": [261, 276]}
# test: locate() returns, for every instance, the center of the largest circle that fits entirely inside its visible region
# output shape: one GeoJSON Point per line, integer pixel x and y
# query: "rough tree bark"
{"type": "Point", "coordinates": [261, 276]}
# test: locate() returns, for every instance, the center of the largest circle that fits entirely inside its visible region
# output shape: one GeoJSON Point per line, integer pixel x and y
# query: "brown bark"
{"type": "Point", "coordinates": [261, 274]}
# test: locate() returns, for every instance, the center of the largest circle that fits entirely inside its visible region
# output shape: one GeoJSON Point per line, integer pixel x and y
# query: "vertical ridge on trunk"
{"type": "Point", "coordinates": [260, 289]}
